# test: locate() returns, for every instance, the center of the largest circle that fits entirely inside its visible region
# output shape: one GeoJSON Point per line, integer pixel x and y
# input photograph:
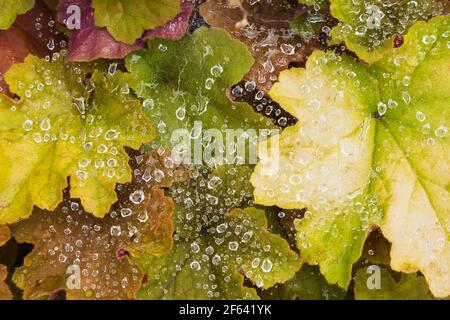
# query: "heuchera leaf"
{"type": "Point", "coordinates": [371, 147]}
{"type": "Point", "coordinates": [214, 248]}
{"type": "Point", "coordinates": [70, 240]}
{"type": "Point", "coordinates": [264, 27]}
{"type": "Point", "coordinates": [65, 124]}
{"type": "Point", "coordinates": [187, 80]}
{"type": "Point", "coordinates": [32, 33]}
{"type": "Point", "coordinates": [368, 27]}
{"type": "Point", "coordinates": [307, 284]}
{"type": "Point", "coordinates": [409, 287]}
{"type": "Point", "coordinates": [10, 9]}
{"type": "Point", "coordinates": [215, 192]}
{"type": "Point", "coordinates": [126, 20]}
{"type": "Point", "coordinates": [91, 42]}
{"type": "Point", "coordinates": [212, 264]}
{"type": "Point", "coordinates": [5, 293]}
{"type": "Point", "coordinates": [4, 234]}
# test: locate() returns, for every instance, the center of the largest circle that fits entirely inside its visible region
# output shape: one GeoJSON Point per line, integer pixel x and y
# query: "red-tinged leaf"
{"type": "Point", "coordinates": [4, 234]}
{"type": "Point", "coordinates": [70, 242]}
{"type": "Point", "coordinates": [91, 42]}
{"type": "Point", "coordinates": [32, 33]}
{"type": "Point", "coordinates": [5, 293]}
{"type": "Point", "coordinates": [264, 27]}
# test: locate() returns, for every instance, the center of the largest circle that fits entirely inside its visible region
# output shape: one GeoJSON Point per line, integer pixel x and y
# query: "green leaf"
{"type": "Point", "coordinates": [209, 193]}
{"type": "Point", "coordinates": [307, 284]}
{"type": "Point", "coordinates": [187, 81]}
{"type": "Point", "coordinates": [371, 147]}
{"type": "Point", "coordinates": [65, 125]}
{"type": "Point", "coordinates": [10, 9]}
{"type": "Point", "coordinates": [127, 20]}
{"type": "Point", "coordinates": [409, 287]}
{"type": "Point", "coordinates": [174, 276]}
{"type": "Point", "coordinates": [202, 265]}
{"type": "Point", "coordinates": [212, 264]}
{"type": "Point", "coordinates": [368, 26]}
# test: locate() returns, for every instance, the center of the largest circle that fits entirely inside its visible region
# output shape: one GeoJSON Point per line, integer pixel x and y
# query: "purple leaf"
{"type": "Point", "coordinates": [90, 42]}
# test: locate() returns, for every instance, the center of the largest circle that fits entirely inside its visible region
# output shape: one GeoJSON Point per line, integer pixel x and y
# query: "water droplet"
{"type": "Point", "coordinates": [266, 266]}
{"type": "Point", "coordinates": [195, 247]}
{"type": "Point", "coordinates": [45, 124]}
{"type": "Point", "coordinates": [209, 83]}
{"type": "Point", "coordinates": [222, 227]}
{"type": "Point", "coordinates": [195, 265]}
{"type": "Point", "coordinates": [287, 49]}
{"type": "Point", "coordinates": [381, 108]}
{"type": "Point", "coordinates": [112, 68]}
{"type": "Point", "coordinates": [81, 174]}
{"type": "Point", "coordinates": [111, 134]}
{"type": "Point", "coordinates": [162, 47]}
{"type": "Point", "coordinates": [247, 236]}
{"type": "Point", "coordinates": [216, 259]}
{"type": "Point", "coordinates": [420, 116]}
{"type": "Point", "coordinates": [441, 131]}
{"type": "Point", "coordinates": [233, 245]}
{"type": "Point", "coordinates": [214, 182]}
{"type": "Point", "coordinates": [27, 125]}
{"type": "Point", "coordinates": [137, 196]}
{"type": "Point", "coordinates": [180, 113]}
{"type": "Point", "coordinates": [125, 212]}
{"type": "Point", "coordinates": [216, 70]}
{"type": "Point", "coordinates": [268, 66]}
{"type": "Point", "coordinates": [429, 39]}
{"type": "Point", "coordinates": [116, 231]}
{"type": "Point", "coordinates": [250, 86]}
{"type": "Point", "coordinates": [148, 104]}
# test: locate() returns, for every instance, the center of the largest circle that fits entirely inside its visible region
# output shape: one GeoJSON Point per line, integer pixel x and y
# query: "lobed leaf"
{"type": "Point", "coordinates": [65, 125]}
{"type": "Point", "coordinates": [91, 42]}
{"type": "Point", "coordinates": [32, 33]}
{"type": "Point", "coordinates": [212, 264]}
{"type": "Point", "coordinates": [70, 242]}
{"type": "Point", "coordinates": [264, 27]}
{"type": "Point", "coordinates": [215, 248]}
{"type": "Point", "coordinates": [126, 21]}
{"type": "Point", "coordinates": [370, 148]}
{"type": "Point", "coordinates": [186, 81]}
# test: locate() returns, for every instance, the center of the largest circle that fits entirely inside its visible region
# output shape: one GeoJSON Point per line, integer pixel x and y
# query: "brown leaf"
{"type": "Point", "coordinates": [5, 293]}
{"type": "Point", "coordinates": [70, 241]}
{"type": "Point", "coordinates": [4, 234]}
{"type": "Point", "coordinates": [264, 28]}
{"type": "Point", "coordinates": [33, 32]}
